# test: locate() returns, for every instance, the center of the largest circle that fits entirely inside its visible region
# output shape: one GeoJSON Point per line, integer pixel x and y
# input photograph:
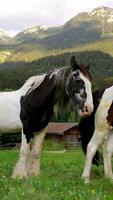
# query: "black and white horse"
{"type": "Point", "coordinates": [102, 124]}
{"type": "Point", "coordinates": [30, 108]}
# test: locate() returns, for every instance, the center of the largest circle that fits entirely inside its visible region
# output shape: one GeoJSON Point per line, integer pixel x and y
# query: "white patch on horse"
{"type": "Point", "coordinates": [20, 170]}
{"type": "Point", "coordinates": [107, 155]}
{"type": "Point", "coordinates": [102, 110]}
{"type": "Point", "coordinates": [10, 105]}
{"type": "Point", "coordinates": [34, 159]}
{"type": "Point", "coordinates": [89, 99]}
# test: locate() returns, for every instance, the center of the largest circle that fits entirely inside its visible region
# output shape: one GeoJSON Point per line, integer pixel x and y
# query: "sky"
{"type": "Point", "coordinates": [17, 15]}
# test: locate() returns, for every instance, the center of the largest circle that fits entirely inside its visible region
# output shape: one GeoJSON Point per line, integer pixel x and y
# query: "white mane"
{"type": "Point", "coordinates": [32, 83]}
{"type": "Point", "coordinates": [35, 81]}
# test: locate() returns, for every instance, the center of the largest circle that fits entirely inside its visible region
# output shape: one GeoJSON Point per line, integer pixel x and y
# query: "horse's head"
{"type": "Point", "coordinates": [78, 87]}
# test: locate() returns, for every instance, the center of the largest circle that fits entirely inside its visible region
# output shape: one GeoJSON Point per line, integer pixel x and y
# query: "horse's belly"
{"type": "Point", "coordinates": [10, 125]}
{"type": "Point", "coordinates": [10, 119]}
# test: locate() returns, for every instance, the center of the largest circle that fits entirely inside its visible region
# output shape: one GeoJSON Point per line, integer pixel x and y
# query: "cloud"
{"type": "Point", "coordinates": [16, 15]}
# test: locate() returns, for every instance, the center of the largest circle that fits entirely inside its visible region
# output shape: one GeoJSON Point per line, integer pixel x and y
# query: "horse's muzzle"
{"type": "Point", "coordinates": [86, 111]}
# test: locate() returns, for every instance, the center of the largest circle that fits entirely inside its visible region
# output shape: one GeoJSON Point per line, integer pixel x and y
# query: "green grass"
{"type": "Point", "coordinates": [60, 179]}
{"type": "Point", "coordinates": [52, 145]}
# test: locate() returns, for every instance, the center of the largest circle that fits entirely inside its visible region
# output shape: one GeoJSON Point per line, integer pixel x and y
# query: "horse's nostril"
{"type": "Point", "coordinates": [86, 108]}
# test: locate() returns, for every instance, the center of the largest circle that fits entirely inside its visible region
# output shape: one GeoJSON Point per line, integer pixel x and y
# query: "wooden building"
{"type": "Point", "coordinates": [66, 133]}
{"type": "Point", "coordinates": [63, 133]}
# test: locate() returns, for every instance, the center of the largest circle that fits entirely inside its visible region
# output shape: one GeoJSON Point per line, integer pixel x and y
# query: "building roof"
{"type": "Point", "coordinates": [60, 128]}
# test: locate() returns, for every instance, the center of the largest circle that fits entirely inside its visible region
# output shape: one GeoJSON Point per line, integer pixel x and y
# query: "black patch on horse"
{"type": "Point", "coordinates": [110, 115]}
{"type": "Point", "coordinates": [37, 106]}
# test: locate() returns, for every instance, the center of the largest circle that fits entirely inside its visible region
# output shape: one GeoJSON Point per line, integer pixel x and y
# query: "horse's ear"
{"type": "Point", "coordinates": [88, 66]}
{"type": "Point", "coordinates": [74, 64]}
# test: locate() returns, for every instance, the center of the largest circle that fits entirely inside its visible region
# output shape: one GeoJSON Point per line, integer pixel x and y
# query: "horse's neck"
{"type": "Point", "coordinates": [31, 84]}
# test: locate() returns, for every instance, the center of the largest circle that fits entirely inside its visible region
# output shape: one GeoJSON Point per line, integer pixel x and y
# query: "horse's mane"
{"type": "Point", "coordinates": [32, 83]}
{"type": "Point", "coordinates": [61, 95]}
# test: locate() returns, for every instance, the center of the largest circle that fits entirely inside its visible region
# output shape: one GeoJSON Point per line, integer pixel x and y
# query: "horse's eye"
{"type": "Point", "coordinates": [76, 75]}
{"type": "Point", "coordinates": [79, 83]}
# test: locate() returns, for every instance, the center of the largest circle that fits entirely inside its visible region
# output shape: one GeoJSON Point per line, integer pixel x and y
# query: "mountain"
{"type": "Point", "coordinates": [101, 16]}
{"type": "Point", "coordinates": [35, 33]}
{"type": "Point", "coordinates": [84, 27]}
{"type": "Point", "coordinates": [14, 74]}
{"type": "Point", "coordinates": [86, 31]}
{"type": "Point", "coordinates": [4, 37]}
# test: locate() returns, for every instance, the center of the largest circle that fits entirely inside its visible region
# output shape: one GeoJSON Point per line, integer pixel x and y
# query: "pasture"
{"type": "Point", "coordinates": [60, 179]}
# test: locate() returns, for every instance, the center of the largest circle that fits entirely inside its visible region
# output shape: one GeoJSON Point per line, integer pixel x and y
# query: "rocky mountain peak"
{"type": "Point", "coordinates": [101, 11]}
{"type": "Point", "coordinates": [35, 29]}
{"type": "Point", "coordinates": [4, 37]}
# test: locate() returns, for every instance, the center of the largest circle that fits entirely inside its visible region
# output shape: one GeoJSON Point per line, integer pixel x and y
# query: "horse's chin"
{"type": "Point", "coordinates": [84, 114]}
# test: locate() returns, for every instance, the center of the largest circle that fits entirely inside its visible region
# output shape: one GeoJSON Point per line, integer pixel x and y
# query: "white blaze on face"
{"type": "Point", "coordinates": [88, 106]}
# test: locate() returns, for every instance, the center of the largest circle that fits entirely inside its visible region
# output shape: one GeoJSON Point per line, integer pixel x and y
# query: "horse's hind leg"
{"type": "Point", "coordinates": [34, 160]}
{"type": "Point", "coordinates": [20, 170]}
{"type": "Point", "coordinates": [107, 154]}
{"type": "Point", "coordinates": [95, 142]}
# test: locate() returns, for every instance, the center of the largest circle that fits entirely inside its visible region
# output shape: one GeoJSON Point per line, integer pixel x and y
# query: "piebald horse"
{"type": "Point", "coordinates": [102, 124]}
{"type": "Point", "coordinates": [30, 109]}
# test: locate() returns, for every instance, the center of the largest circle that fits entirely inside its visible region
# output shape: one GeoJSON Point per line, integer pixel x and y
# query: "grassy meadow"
{"type": "Point", "coordinates": [60, 179]}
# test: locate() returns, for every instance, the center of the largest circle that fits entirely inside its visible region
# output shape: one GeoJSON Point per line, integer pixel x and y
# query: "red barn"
{"type": "Point", "coordinates": [63, 132]}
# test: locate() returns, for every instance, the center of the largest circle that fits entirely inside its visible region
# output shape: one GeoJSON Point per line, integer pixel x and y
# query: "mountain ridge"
{"type": "Point", "coordinates": [84, 26]}
{"type": "Point", "coordinates": [80, 33]}
{"type": "Point", "coordinates": [4, 37]}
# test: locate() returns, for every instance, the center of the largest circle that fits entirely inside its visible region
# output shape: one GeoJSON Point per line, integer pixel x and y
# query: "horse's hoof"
{"type": "Point", "coordinates": [85, 178]}
{"type": "Point", "coordinates": [18, 176]}
{"type": "Point", "coordinates": [33, 173]}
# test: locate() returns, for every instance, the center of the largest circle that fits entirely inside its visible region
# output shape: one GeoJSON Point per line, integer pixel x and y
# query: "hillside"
{"type": "Point", "coordinates": [105, 45]}
{"type": "Point", "coordinates": [29, 52]}
{"type": "Point", "coordinates": [13, 74]}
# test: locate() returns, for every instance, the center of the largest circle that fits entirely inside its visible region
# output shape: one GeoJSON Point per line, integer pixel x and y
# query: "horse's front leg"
{"type": "Point", "coordinates": [34, 159]}
{"type": "Point", "coordinates": [20, 170]}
